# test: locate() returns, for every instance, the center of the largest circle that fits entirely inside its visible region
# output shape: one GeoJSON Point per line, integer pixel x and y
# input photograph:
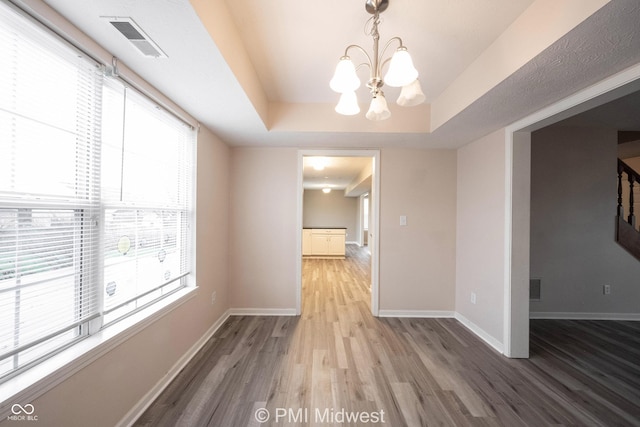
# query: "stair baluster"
{"type": "Point", "coordinates": [631, 219]}
{"type": "Point", "coordinates": [620, 170]}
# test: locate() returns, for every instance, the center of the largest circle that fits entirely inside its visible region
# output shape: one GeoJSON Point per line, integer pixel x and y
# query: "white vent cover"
{"type": "Point", "coordinates": [132, 31]}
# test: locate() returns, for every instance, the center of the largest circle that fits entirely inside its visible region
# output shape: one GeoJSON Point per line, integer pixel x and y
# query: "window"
{"type": "Point", "coordinates": [95, 196]}
{"type": "Point", "coordinates": [146, 173]}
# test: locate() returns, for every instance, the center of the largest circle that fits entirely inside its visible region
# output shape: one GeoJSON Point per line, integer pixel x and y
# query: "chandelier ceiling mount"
{"type": "Point", "coordinates": [374, 6]}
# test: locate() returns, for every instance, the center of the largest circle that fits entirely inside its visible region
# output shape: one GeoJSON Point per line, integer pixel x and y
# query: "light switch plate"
{"type": "Point", "coordinates": [403, 220]}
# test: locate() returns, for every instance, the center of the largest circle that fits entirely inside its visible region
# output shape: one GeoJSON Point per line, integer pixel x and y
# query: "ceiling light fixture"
{"type": "Point", "coordinates": [401, 73]}
{"type": "Point", "coordinates": [319, 163]}
{"type": "Point", "coordinates": [326, 190]}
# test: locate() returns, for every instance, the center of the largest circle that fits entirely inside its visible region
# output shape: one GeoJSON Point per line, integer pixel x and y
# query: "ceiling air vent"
{"type": "Point", "coordinates": [128, 28]}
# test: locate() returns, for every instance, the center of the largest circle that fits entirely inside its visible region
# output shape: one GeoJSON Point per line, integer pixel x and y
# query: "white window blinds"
{"type": "Point", "coordinates": [95, 196]}
{"type": "Point", "coordinates": [147, 172]}
{"type": "Point", "coordinates": [49, 192]}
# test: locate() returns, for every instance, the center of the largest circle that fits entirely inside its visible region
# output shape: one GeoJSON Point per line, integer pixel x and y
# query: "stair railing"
{"type": "Point", "coordinates": [627, 235]}
{"type": "Point", "coordinates": [632, 177]}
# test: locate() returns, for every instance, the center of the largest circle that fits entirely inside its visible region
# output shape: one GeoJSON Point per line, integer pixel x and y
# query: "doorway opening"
{"type": "Point", "coordinates": [334, 188]}
{"type": "Point", "coordinates": [518, 209]}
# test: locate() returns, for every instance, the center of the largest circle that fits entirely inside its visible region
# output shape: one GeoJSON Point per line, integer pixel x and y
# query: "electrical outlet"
{"type": "Point", "coordinates": [213, 297]}
{"type": "Point", "coordinates": [473, 297]}
{"type": "Point", "coordinates": [606, 289]}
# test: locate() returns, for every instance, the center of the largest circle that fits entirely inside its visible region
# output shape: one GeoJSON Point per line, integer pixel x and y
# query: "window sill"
{"type": "Point", "coordinates": [35, 382]}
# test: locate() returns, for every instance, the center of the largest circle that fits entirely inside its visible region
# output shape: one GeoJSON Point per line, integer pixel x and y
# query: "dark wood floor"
{"type": "Point", "coordinates": [336, 359]}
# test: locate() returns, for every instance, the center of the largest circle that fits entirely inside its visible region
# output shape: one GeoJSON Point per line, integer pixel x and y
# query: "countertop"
{"type": "Point", "coordinates": [324, 228]}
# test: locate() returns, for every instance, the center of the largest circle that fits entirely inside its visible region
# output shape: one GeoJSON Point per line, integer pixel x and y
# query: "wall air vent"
{"type": "Point", "coordinates": [132, 31]}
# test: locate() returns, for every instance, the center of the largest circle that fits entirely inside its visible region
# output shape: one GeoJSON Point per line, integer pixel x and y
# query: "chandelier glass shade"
{"type": "Point", "coordinates": [400, 73]}
{"type": "Point", "coordinates": [411, 95]}
{"type": "Point", "coordinates": [401, 70]}
{"type": "Point", "coordinates": [348, 104]}
{"type": "Point", "coordinates": [345, 78]}
{"type": "Point", "coordinates": [378, 110]}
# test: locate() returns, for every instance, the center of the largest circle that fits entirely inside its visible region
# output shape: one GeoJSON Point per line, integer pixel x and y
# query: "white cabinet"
{"type": "Point", "coordinates": [324, 242]}
{"type": "Point", "coordinates": [306, 241]}
{"type": "Point", "coordinates": [336, 244]}
{"type": "Point", "coordinates": [319, 244]}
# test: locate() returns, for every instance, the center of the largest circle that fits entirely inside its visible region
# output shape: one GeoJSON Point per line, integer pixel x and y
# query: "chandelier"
{"type": "Point", "coordinates": [401, 73]}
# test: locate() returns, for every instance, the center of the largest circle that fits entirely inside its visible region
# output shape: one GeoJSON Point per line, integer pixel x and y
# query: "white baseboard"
{"type": "Point", "coordinates": [427, 314]}
{"type": "Point", "coordinates": [262, 312]}
{"type": "Point", "coordinates": [477, 330]}
{"type": "Point", "coordinates": [153, 394]}
{"type": "Point", "coordinates": [584, 316]}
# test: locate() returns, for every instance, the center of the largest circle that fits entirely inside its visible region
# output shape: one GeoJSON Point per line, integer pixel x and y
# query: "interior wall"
{"type": "Point", "coordinates": [363, 235]}
{"type": "Point", "coordinates": [573, 208]}
{"type": "Point", "coordinates": [212, 226]}
{"type": "Point", "coordinates": [103, 392]}
{"type": "Point", "coordinates": [629, 150]}
{"type": "Point", "coordinates": [480, 241]}
{"type": "Point", "coordinates": [417, 261]}
{"type": "Point", "coordinates": [262, 248]}
{"type": "Point", "coordinates": [330, 210]}
{"type": "Point", "coordinates": [518, 244]}
{"type": "Point", "coordinates": [634, 163]}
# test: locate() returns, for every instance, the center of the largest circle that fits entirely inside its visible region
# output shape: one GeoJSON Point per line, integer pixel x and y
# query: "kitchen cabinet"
{"type": "Point", "coordinates": [324, 242]}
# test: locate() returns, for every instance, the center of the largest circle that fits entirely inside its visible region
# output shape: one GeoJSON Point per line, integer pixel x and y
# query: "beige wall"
{"type": "Point", "coordinates": [417, 261]}
{"type": "Point", "coordinates": [212, 225]}
{"type": "Point", "coordinates": [263, 206]}
{"type": "Point", "coordinates": [104, 391]}
{"type": "Point", "coordinates": [417, 270]}
{"type": "Point", "coordinates": [480, 261]}
{"type": "Point", "coordinates": [331, 210]}
{"type": "Point", "coordinates": [634, 162]}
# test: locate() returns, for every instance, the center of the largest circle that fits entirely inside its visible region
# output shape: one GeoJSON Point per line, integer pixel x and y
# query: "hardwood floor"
{"type": "Point", "coordinates": [337, 361]}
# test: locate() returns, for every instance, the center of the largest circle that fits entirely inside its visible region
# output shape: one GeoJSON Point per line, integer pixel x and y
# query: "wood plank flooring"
{"type": "Point", "coordinates": [336, 360]}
